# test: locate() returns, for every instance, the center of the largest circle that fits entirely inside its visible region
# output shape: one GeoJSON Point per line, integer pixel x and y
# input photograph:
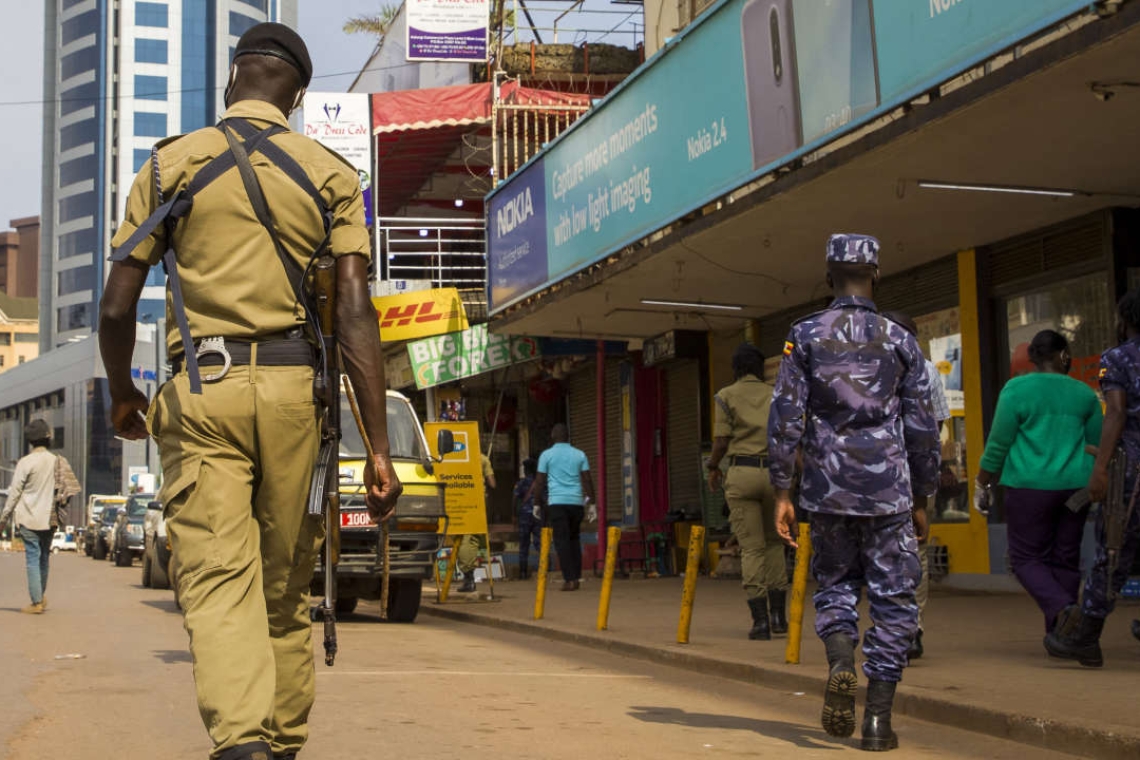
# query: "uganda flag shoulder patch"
{"type": "Point", "coordinates": [1102, 373]}
{"type": "Point", "coordinates": [789, 347]}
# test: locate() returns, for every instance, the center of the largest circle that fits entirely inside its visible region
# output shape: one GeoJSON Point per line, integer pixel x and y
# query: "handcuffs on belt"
{"type": "Point", "coordinates": [214, 345]}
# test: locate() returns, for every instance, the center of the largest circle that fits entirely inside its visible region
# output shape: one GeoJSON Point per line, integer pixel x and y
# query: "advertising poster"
{"type": "Point", "coordinates": [462, 472]}
{"type": "Point", "coordinates": [343, 122]}
{"type": "Point", "coordinates": [420, 313]}
{"type": "Point", "coordinates": [457, 355]}
{"type": "Point", "coordinates": [445, 30]}
{"type": "Point", "coordinates": [764, 82]}
{"type": "Point", "coordinates": [946, 353]}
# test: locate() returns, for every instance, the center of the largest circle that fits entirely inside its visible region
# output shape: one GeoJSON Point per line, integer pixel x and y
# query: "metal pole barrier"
{"type": "Point", "coordinates": [608, 577]}
{"type": "Point", "coordinates": [692, 567]}
{"type": "Point", "coordinates": [445, 588]}
{"type": "Point", "coordinates": [799, 595]}
{"type": "Point", "coordinates": [543, 563]}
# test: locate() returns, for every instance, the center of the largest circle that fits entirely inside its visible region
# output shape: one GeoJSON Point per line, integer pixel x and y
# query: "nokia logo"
{"type": "Point", "coordinates": [513, 213]}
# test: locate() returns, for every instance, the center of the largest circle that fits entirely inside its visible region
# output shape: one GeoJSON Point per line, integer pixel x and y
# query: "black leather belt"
{"type": "Point", "coordinates": [741, 461]}
{"type": "Point", "coordinates": [219, 352]}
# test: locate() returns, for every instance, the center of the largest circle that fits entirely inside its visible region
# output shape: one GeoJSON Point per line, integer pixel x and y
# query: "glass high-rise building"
{"type": "Point", "coordinates": [118, 76]}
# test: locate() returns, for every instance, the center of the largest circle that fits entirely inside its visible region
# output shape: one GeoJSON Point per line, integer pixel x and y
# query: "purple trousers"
{"type": "Point", "coordinates": [1045, 547]}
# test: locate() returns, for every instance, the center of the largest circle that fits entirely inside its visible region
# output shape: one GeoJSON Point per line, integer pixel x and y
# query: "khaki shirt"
{"type": "Point", "coordinates": [741, 416]}
{"type": "Point", "coordinates": [233, 282]}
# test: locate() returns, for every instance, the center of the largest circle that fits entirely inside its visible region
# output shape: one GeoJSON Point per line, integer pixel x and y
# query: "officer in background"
{"type": "Point", "coordinates": [530, 519]}
{"type": "Point", "coordinates": [468, 557]}
{"type": "Point", "coordinates": [941, 408]}
{"type": "Point", "coordinates": [740, 433]}
{"type": "Point", "coordinates": [1079, 638]}
{"type": "Point", "coordinates": [853, 390]}
{"type": "Point", "coordinates": [237, 457]}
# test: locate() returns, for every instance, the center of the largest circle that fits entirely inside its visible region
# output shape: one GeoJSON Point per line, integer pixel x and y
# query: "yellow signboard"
{"type": "Point", "coordinates": [420, 314]}
{"type": "Point", "coordinates": [462, 472]}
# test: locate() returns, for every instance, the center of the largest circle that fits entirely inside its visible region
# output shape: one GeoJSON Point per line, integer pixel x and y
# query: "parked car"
{"type": "Point", "coordinates": [64, 541]}
{"type": "Point", "coordinates": [156, 552]}
{"type": "Point", "coordinates": [102, 530]}
{"type": "Point", "coordinates": [127, 538]}
{"type": "Point", "coordinates": [95, 504]}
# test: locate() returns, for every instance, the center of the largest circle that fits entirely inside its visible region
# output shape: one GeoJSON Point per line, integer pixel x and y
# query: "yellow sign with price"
{"type": "Point", "coordinates": [462, 472]}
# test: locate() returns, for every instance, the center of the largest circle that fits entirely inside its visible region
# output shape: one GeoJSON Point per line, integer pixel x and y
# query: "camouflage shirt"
{"type": "Point", "coordinates": [1120, 371]}
{"type": "Point", "coordinates": [853, 390]}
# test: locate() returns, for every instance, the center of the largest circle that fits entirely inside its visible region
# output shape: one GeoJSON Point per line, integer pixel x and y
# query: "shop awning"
{"type": "Point", "coordinates": [417, 131]}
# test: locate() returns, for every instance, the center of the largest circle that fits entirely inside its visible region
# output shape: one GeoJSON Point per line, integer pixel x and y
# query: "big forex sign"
{"type": "Point", "coordinates": [420, 314]}
{"type": "Point", "coordinates": [446, 358]}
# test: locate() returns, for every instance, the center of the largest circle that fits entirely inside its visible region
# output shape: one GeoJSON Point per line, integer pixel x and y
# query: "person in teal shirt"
{"type": "Point", "coordinates": [1037, 442]}
{"type": "Point", "coordinates": [564, 478]}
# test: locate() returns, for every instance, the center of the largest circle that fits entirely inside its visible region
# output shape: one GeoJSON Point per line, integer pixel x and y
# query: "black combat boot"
{"type": "Point", "coordinates": [877, 733]}
{"type": "Point", "coordinates": [760, 627]}
{"type": "Point", "coordinates": [250, 751]}
{"type": "Point", "coordinates": [839, 699]}
{"type": "Point", "coordinates": [1077, 637]}
{"type": "Point", "coordinates": [778, 602]}
{"type": "Point", "coordinates": [1136, 629]}
{"type": "Point", "coordinates": [916, 650]}
{"type": "Point", "coordinates": [468, 582]}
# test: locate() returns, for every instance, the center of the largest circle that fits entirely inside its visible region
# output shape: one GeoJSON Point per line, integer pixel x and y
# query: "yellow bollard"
{"type": "Point", "coordinates": [692, 567]}
{"type": "Point", "coordinates": [445, 587]}
{"type": "Point", "coordinates": [799, 596]}
{"type": "Point", "coordinates": [613, 537]}
{"type": "Point", "coordinates": [543, 563]}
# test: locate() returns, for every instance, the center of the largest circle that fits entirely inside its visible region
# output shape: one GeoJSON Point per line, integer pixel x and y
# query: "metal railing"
{"type": "Point", "coordinates": [451, 252]}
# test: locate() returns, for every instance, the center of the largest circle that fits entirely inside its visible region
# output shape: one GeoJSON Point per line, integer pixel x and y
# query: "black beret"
{"type": "Point", "coordinates": [37, 430]}
{"type": "Point", "coordinates": [279, 41]}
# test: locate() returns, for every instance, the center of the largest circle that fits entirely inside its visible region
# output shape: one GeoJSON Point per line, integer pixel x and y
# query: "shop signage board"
{"type": "Point", "coordinates": [398, 370]}
{"type": "Point", "coordinates": [457, 355]}
{"type": "Point", "coordinates": [420, 313]}
{"type": "Point", "coordinates": [342, 122]}
{"type": "Point", "coordinates": [399, 287]}
{"type": "Point", "coordinates": [752, 85]}
{"type": "Point", "coordinates": [462, 472]}
{"type": "Point", "coordinates": [446, 30]}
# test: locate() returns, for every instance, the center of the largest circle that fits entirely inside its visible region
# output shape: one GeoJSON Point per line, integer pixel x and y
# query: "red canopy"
{"type": "Point", "coordinates": [417, 130]}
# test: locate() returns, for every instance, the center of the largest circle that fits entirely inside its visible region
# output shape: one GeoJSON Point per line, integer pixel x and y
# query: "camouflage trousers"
{"type": "Point", "coordinates": [881, 553]}
{"type": "Point", "coordinates": [1097, 600]}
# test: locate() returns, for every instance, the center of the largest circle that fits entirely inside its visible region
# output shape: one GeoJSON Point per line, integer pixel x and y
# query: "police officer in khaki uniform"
{"type": "Point", "coordinates": [238, 452]}
{"type": "Point", "coordinates": [741, 435]}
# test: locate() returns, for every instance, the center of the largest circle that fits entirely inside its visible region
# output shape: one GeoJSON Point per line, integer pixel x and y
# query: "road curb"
{"type": "Point", "coordinates": [1058, 736]}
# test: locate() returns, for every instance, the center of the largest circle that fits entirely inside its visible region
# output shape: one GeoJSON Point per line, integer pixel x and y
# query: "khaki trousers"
{"type": "Point", "coordinates": [237, 461]}
{"type": "Point", "coordinates": [752, 514]}
{"type": "Point", "coordinates": [468, 557]}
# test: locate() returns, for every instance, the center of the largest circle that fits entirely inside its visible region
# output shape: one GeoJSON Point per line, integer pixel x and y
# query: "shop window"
{"type": "Point", "coordinates": [940, 337]}
{"type": "Point", "coordinates": [1081, 309]}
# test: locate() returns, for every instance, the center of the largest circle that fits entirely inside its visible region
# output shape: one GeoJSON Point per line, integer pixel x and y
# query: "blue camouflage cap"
{"type": "Point", "coordinates": [848, 248]}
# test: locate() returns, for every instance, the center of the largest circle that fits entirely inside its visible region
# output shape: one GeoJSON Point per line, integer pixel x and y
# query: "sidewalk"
{"type": "Point", "coordinates": [984, 670]}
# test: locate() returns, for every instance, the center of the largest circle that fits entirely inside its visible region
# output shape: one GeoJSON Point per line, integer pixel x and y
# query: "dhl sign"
{"type": "Point", "coordinates": [420, 314]}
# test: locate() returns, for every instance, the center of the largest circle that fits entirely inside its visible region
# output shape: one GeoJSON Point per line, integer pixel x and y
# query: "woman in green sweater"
{"type": "Point", "coordinates": [1037, 443]}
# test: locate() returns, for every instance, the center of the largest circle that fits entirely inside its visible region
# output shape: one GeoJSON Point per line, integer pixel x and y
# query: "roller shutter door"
{"type": "Point", "coordinates": [683, 434]}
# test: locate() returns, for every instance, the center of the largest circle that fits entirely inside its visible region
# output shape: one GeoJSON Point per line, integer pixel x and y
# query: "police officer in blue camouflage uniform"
{"type": "Point", "coordinates": [1077, 637]}
{"type": "Point", "coordinates": [853, 391]}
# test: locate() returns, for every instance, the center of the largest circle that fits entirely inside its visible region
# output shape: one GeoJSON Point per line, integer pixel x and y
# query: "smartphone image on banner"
{"type": "Point", "coordinates": [836, 77]}
{"type": "Point", "coordinates": [770, 81]}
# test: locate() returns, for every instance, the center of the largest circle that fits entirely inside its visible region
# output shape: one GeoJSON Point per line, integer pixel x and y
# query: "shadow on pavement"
{"type": "Point", "coordinates": [801, 736]}
{"type": "Point", "coordinates": [165, 606]}
{"type": "Point", "coordinates": [173, 656]}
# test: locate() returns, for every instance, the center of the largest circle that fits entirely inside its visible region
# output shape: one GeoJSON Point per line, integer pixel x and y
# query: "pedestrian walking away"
{"type": "Point", "coordinates": [740, 433]}
{"type": "Point", "coordinates": [237, 424]}
{"type": "Point", "coordinates": [1076, 634]}
{"type": "Point", "coordinates": [564, 480]}
{"type": "Point", "coordinates": [31, 509]}
{"type": "Point", "coordinates": [530, 519]}
{"type": "Point", "coordinates": [1042, 424]}
{"type": "Point", "coordinates": [923, 507]}
{"type": "Point", "coordinates": [853, 391]}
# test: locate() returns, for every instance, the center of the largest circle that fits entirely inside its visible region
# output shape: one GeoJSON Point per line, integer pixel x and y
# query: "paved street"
{"type": "Point", "coordinates": [435, 688]}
